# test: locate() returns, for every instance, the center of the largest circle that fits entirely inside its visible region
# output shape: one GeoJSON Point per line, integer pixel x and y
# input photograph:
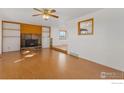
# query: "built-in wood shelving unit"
{"type": "Point", "coordinates": [12, 36]}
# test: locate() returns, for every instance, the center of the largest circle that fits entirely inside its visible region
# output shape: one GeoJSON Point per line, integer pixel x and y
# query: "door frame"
{"type": "Point", "coordinates": [50, 45]}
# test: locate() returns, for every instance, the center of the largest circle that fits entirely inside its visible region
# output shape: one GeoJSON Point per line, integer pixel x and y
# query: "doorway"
{"type": "Point", "coordinates": [60, 41]}
{"type": "Point", "coordinates": [46, 37]}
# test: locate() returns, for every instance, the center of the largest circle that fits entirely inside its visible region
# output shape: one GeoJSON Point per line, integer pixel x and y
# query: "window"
{"type": "Point", "coordinates": [62, 35]}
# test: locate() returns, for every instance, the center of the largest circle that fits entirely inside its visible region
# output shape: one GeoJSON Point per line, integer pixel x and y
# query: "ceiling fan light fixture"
{"type": "Point", "coordinates": [46, 13]}
{"type": "Point", "coordinates": [45, 16]}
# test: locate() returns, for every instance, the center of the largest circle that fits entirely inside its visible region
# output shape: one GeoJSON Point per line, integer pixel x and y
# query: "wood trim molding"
{"type": "Point", "coordinates": [19, 23]}
{"type": "Point", "coordinates": [10, 22]}
{"type": "Point", "coordinates": [10, 29]}
{"type": "Point", "coordinates": [60, 50]}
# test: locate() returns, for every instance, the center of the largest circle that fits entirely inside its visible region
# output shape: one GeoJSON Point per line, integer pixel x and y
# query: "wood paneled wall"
{"type": "Point", "coordinates": [30, 29]}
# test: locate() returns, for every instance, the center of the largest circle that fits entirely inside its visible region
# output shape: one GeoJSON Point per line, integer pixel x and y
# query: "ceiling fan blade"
{"type": "Point", "coordinates": [53, 15]}
{"type": "Point", "coordinates": [52, 10]}
{"type": "Point", "coordinates": [37, 9]}
{"type": "Point", "coordinates": [36, 14]}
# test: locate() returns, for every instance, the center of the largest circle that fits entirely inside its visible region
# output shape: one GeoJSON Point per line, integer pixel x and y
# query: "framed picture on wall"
{"type": "Point", "coordinates": [86, 27]}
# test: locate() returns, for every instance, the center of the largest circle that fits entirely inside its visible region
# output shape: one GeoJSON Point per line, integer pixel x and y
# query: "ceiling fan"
{"type": "Point", "coordinates": [46, 13]}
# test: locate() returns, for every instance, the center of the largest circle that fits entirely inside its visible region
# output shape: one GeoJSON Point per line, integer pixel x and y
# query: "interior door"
{"type": "Point", "coordinates": [45, 37]}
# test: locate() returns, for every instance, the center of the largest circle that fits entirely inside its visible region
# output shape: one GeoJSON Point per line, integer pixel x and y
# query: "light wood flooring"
{"type": "Point", "coordinates": [62, 47]}
{"type": "Point", "coordinates": [51, 64]}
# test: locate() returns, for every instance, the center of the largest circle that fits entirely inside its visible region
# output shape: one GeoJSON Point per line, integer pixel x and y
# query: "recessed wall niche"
{"type": "Point", "coordinates": [30, 35]}
{"type": "Point", "coordinates": [30, 40]}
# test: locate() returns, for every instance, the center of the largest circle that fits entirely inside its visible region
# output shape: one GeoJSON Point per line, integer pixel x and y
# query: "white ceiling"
{"type": "Point", "coordinates": [25, 15]}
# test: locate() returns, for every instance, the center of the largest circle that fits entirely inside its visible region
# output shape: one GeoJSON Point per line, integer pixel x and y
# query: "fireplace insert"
{"type": "Point", "coordinates": [31, 42]}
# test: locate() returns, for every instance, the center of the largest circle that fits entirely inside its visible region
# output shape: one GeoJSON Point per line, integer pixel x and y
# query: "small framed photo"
{"type": "Point", "coordinates": [86, 27]}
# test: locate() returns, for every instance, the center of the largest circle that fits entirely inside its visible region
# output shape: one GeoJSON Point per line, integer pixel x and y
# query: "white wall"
{"type": "Point", "coordinates": [55, 36]}
{"type": "Point", "coordinates": [0, 36]}
{"type": "Point", "coordinates": [106, 46]}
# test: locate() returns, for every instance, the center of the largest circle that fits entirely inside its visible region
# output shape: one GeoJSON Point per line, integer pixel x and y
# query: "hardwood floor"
{"type": "Point", "coordinates": [51, 64]}
{"type": "Point", "coordinates": [62, 47]}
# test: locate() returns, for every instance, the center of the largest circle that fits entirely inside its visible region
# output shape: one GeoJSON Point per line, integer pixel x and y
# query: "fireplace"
{"type": "Point", "coordinates": [31, 42]}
